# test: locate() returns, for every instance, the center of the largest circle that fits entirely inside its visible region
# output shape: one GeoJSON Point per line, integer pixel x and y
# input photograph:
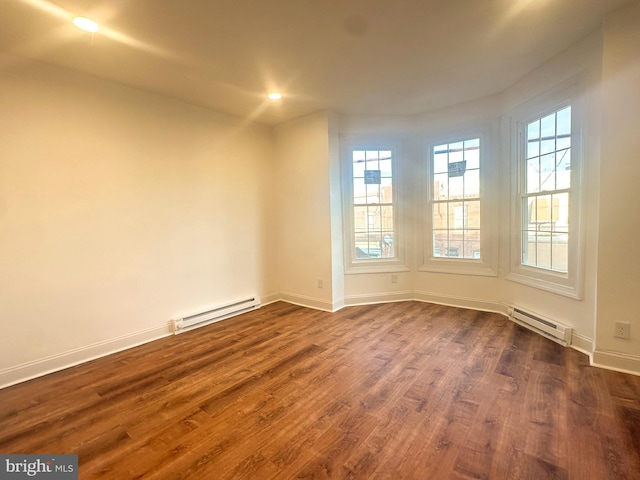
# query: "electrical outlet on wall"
{"type": "Point", "coordinates": [320, 283]}
{"type": "Point", "coordinates": [623, 330]}
{"type": "Point", "coordinates": [394, 278]}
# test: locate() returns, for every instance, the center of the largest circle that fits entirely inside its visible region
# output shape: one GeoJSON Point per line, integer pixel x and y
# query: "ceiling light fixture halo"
{"type": "Point", "coordinates": [274, 96]}
{"type": "Point", "coordinates": [86, 24]}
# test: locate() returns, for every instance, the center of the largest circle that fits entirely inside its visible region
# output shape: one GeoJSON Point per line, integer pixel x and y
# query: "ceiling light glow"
{"type": "Point", "coordinates": [274, 96]}
{"type": "Point", "coordinates": [86, 24]}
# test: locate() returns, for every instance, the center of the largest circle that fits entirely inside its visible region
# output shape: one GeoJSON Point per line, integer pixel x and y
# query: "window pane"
{"type": "Point", "coordinates": [472, 184]}
{"type": "Point", "coordinates": [563, 175]}
{"type": "Point", "coordinates": [533, 148]}
{"type": "Point", "coordinates": [451, 217]}
{"type": "Point", "coordinates": [548, 163]}
{"type": "Point", "coordinates": [544, 212]}
{"type": "Point", "coordinates": [456, 243]}
{"type": "Point", "coordinates": [385, 167]}
{"type": "Point", "coordinates": [529, 218]}
{"type": "Point", "coordinates": [440, 161]}
{"type": "Point", "coordinates": [373, 212]}
{"type": "Point", "coordinates": [473, 144]}
{"type": "Point", "coordinates": [386, 213]}
{"type": "Point", "coordinates": [361, 245]}
{"type": "Point", "coordinates": [533, 175]}
{"type": "Point", "coordinates": [533, 130]}
{"type": "Point", "coordinates": [472, 153]}
{"type": "Point", "coordinates": [563, 143]}
{"type": "Point", "coordinates": [375, 245]}
{"type": "Point", "coordinates": [440, 243]}
{"type": "Point", "coordinates": [387, 244]}
{"type": "Point", "coordinates": [456, 187]}
{"type": "Point", "coordinates": [440, 216]}
{"type": "Point", "coordinates": [455, 152]}
{"type": "Point", "coordinates": [359, 191]}
{"type": "Point", "coordinates": [529, 247]}
{"type": "Point", "coordinates": [548, 172]}
{"type": "Point", "coordinates": [473, 214]}
{"type": "Point", "coordinates": [460, 218]}
{"type": "Point", "coordinates": [543, 250]}
{"type": "Point", "coordinates": [559, 252]}
{"type": "Point", "coordinates": [386, 190]}
{"type": "Point", "coordinates": [360, 219]}
{"type": "Point", "coordinates": [372, 155]}
{"type": "Point", "coordinates": [547, 146]}
{"type": "Point", "coordinates": [372, 164]}
{"type": "Point", "coordinates": [561, 218]}
{"type": "Point", "coordinates": [472, 244]}
{"type": "Point", "coordinates": [564, 121]}
{"type": "Point", "coordinates": [544, 225]}
{"type": "Point", "coordinates": [440, 186]}
{"type": "Point", "coordinates": [362, 240]}
{"type": "Point", "coordinates": [548, 126]}
{"type": "Point", "coordinates": [373, 193]}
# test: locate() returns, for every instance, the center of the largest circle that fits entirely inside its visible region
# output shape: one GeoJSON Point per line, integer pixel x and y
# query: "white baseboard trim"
{"type": "Point", "coordinates": [304, 301]}
{"type": "Point", "coordinates": [462, 302]}
{"type": "Point", "coordinates": [38, 368]}
{"type": "Point", "coordinates": [268, 298]}
{"type": "Point", "coordinates": [338, 304]}
{"type": "Point", "coordinates": [619, 362]}
{"type": "Point", "coordinates": [385, 297]}
{"type": "Point", "coordinates": [581, 343]}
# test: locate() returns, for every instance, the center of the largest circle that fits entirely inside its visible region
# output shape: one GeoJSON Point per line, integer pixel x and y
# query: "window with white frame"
{"type": "Point", "coordinates": [371, 209]}
{"type": "Point", "coordinates": [460, 217]}
{"type": "Point", "coordinates": [547, 202]}
{"type": "Point", "coordinates": [455, 200]}
{"type": "Point", "coordinates": [545, 194]}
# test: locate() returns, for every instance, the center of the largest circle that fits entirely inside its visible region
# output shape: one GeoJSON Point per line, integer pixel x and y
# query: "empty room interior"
{"type": "Point", "coordinates": [314, 239]}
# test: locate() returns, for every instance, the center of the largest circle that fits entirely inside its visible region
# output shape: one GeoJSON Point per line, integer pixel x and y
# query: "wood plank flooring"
{"type": "Point", "coordinates": [394, 391]}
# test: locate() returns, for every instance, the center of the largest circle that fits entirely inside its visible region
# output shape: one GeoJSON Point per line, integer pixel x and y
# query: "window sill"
{"type": "Point", "coordinates": [559, 287]}
{"type": "Point", "coordinates": [459, 267]}
{"type": "Point", "coordinates": [376, 267]}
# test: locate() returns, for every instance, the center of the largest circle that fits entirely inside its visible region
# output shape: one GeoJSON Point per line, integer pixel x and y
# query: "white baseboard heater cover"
{"type": "Point", "coordinates": [549, 328]}
{"type": "Point", "coordinates": [200, 319]}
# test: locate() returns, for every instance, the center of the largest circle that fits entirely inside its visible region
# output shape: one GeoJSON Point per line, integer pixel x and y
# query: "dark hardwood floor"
{"type": "Point", "coordinates": [394, 391]}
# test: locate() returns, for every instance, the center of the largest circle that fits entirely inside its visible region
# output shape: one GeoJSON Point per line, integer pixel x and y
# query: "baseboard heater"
{"type": "Point", "coordinates": [200, 319]}
{"type": "Point", "coordinates": [549, 328]}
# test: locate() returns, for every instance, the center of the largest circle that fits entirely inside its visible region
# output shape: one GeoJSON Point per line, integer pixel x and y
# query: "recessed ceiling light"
{"type": "Point", "coordinates": [274, 96]}
{"type": "Point", "coordinates": [86, 24]}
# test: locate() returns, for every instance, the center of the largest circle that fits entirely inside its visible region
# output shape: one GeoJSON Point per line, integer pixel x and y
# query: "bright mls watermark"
{"type": "Point", "coordinates": [46, 466]}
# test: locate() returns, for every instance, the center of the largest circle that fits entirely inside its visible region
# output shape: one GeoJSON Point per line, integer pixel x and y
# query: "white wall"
{"type": "Point", "coordinates": [619, 234]}
{"type": "Point", "coordinates": [335, 196]}
{"type": "Point", "coordinates": [119, 210]}
{"type": "Point", "coordinates": [304, 210]}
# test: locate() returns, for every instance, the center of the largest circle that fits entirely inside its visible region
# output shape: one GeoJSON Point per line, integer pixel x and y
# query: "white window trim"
{"type": "Point", "coordinates": [567, 284]}
{"type": "Point", "coordinates": [488, 264]}
{"type": "Point", "coordinates": [352, 264]}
